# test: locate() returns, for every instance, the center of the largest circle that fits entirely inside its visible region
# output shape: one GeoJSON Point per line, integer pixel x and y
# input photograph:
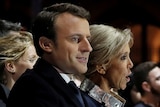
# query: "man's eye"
{"type": "Point", "coordinates": [75, 39]}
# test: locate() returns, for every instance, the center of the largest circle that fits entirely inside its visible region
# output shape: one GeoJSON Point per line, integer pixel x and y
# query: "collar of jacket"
{"type": "Point", "coordinates": [94, 91]}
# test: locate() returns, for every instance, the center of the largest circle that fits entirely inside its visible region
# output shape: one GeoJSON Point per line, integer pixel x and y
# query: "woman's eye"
{"type": "Point", "coordinates": [32, 59]}
{"type": "Point", "coordinates": [123, 57]}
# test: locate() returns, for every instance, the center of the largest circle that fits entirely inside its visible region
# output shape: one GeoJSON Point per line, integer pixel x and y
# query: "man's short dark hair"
{"type": "Point", "coordinates": [45, 20]}
{"type": "Point", "coordinates": [140, 74]}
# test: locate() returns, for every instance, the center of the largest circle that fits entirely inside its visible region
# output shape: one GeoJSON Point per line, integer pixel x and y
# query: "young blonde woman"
{"type": "Point", "coordinates": [17, 53]}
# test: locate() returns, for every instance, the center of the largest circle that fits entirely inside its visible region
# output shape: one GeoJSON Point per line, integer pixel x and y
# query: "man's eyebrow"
{"type": "Point", "coordinates": [75, 34]}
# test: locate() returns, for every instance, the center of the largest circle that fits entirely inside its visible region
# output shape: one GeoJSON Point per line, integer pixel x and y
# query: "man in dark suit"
{"type": "Point", "coordinates": [61, 36]}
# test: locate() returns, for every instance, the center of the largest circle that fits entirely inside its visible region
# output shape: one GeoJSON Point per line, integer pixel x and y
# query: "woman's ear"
{"type": "Point", "coordinates": [10, 67]}
{"type": "Point", "coordinates": [146, 86]}
{"type": "Point", "coordinates": [100, 69]}
{"type": "Point", "coordinates": [46, 44]}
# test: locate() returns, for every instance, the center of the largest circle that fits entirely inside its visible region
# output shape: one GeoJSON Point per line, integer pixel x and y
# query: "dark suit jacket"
{"type": "Point", "coordinates": [44, 87]}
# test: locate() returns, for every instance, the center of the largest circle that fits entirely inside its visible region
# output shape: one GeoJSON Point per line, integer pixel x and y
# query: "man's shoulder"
{"type": "Point", "coordinates": [141, 104]}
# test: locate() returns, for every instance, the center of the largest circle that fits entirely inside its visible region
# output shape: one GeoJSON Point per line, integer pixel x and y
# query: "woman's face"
{"type": "Point", "coordinates": [119, 71]}
{"type": "Point", "coordinates": [25, 62]}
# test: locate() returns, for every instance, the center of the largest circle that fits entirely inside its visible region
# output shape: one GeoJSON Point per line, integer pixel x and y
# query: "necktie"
{"type": "Point", "coordinates": [77, 92]}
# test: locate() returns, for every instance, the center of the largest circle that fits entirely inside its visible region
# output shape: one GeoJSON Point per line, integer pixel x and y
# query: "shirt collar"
{"type": "Point", "coordinates": [66, 77]}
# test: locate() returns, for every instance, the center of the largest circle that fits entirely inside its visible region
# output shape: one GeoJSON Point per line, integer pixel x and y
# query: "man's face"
{"type": "Point", "coordinates": [72, 49]}
{"type": "Point", "coordinates": [154, 77]}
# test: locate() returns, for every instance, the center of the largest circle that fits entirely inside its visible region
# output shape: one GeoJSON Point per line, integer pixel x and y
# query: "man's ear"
{"type": "Point", "coordinates": [46, 44]}
{"type": "Point", "coordinates": [10, 67]}
{"type": "Point", "coordinates": [100, 69]}
{"type": "Point", "coordinates": [146, 86]}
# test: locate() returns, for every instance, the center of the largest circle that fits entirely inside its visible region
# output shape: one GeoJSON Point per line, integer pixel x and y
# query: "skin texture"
{"type": "Point", "coordinates": [25, 62]}
{"type": "Point", "coordinates": [73, 40]}
{"type": "Point", "coordinates": [154, 76]}
{"type": "Point", "coordinates": [17, 68]}
{"type": "Point", "coordinates": [117, 74]}
{"type": "Point", "coordinates": [152, 93]}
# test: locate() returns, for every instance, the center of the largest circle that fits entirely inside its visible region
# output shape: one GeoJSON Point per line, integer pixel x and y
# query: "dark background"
{"type": "Point", "coordinates": [142, 16]}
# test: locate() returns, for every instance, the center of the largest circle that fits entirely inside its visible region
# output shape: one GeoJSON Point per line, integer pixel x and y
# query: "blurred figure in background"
{"type": "Point", "coordinates": [147, 80]}
{"type": "Point", "coordinates": [17, 53]}
{"type": "Point", "coordinates": [6, 27]}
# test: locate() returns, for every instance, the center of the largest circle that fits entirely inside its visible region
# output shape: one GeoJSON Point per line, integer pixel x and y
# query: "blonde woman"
{"type": "Point", "coordinates": [109, 64]}
{"type": "Point", "coordinates": [17, 53]}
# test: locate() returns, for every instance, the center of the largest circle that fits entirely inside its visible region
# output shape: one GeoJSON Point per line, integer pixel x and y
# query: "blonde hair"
{"type": "Point", "coordinates": [13, 46]}
{"type": "Point", "coordinates": [106, 42]}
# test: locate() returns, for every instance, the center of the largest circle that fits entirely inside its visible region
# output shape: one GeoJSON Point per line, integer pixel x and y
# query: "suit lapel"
{"type": "Point", "coordinates": [51, 75]}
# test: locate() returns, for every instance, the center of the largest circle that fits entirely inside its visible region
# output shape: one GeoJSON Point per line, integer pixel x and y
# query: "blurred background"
{"type": "Point", "coordinates": [142, 16]}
